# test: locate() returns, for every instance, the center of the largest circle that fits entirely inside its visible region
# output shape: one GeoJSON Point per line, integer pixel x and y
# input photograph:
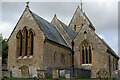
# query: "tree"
{"type": "Point", "coordinates": [4, 51]}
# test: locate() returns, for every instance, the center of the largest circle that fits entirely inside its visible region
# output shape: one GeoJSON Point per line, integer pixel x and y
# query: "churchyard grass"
{"type": "Point", "coordinates": [47, 79]}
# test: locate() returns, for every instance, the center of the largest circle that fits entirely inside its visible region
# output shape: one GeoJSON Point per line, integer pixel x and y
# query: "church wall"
{"type": "Point", "coordinates": [33, 62]}
{"type": "Point", "coordinates": [99, 61]}
{"type": "Point", "coordinates": [50, 63]}
{"type": "Point", "coordinates": [77, 20]}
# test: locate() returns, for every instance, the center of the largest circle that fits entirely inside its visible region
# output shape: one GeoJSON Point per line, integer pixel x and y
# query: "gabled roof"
{"type": "Point", "coordinates": [109, 48]}
{"type": "Point", "coordinates": [68, 30]}
{"type": "Point", "coordinates": [91, 25]}
{"type": "Point", "coordinates": [49, 30]}
{"type": "Point", "coordinates": [78, 10]}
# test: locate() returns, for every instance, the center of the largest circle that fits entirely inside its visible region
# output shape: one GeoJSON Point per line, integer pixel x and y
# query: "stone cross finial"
{"type": "Point", "coordinates": [27, 4]}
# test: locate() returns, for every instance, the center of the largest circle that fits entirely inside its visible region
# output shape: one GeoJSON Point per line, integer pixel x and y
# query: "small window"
{"type": "Point", "coordinates": [85, 32]}
{"type": "Point", "coordinates": [75, 27]}
{"type": "Point", "coordinates": [54, 56]}
{"type": "Point", "coordinates": [63, 58]}
{"type": "Point", "coordinates": [82, 24]}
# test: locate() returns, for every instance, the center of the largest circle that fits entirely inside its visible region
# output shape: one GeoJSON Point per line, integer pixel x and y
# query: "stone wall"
{"type": "Point", "coordinates": [98, 50]}
{"type": "Point", "coordinates": [33, 62]}
{"type": "Point", "coordinates": [52, 56]}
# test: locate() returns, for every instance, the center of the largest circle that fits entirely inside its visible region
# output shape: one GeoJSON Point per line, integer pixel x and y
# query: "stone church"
{"type": "Point", "coordinates": [52, 49]}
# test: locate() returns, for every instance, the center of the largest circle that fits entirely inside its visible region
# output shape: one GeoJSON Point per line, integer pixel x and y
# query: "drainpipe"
{"type": "Point", "coordinates": [72, 58]}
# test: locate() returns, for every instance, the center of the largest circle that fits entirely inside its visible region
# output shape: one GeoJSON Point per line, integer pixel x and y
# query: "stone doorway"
{"type": "Point", "coordinates": [25, 72]}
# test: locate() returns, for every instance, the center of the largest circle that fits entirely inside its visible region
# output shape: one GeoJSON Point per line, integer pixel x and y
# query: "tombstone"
{"type": "Point", "coordinates": [102, 73]}
{"type": "Point", "coordinates": [62, 73]}
{"type": "Point", "coordinates": [55, 74]}
{"type": "Point", "coordinates": [34, 74]}
{"type": "Point", "coordinates": [41, 74]}
{"type": "Point", "coordinates": [67, 75]}
{"type": "Point", "coordinates": [115, 75]}
{"type": "Point", "coordinates": [25, 72]}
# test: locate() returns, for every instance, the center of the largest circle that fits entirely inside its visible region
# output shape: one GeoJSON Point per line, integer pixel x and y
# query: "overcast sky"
{"type": "Point", "coordinates": [103, 15]}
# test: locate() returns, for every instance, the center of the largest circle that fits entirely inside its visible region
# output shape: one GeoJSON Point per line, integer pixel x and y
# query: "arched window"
{"type": "Point", "coordinates": [31, 42]}
{"type": "Point", "coordinates": [19, 44]}
{"type": "Point", "coordinates": [63, 58]}
{"type": "Point", "coordinates": [75, 27]}
{"type": "Point", "coordinates": [25, 41]}
{"type": "Point", "coordinates": [86, 53]}
{"type": "Point", "coordinates": [54, 56]}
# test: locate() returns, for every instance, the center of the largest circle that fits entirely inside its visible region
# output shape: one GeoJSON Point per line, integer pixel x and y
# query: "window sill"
{"type": "Point", "coordinates": [25, 57]}
{"type": "Point", "coordinates": [20, 57]}
{"type": "Point", "coordinates": [30, 57]}
{"type": "Point", "coordinates": [86, 64]}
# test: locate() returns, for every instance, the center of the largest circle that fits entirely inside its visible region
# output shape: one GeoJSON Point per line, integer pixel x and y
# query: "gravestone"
{"type": "Point", "coordinates": [25, 72]}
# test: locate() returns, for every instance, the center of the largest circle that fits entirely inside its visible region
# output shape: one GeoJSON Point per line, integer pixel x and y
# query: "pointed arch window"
{"type": "Point", "coordinates": [63, 58]}
{"type": "Point", "coordinates": [31, 42]}
{"type": "Point", "coordinates": [86, 53]}
{"type": "Point", "coordinates": [25, 41]}
{"type": "Point", "coordinates": [19, 44]}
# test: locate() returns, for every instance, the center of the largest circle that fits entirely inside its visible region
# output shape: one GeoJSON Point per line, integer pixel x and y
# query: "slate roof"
{"type": "Point", "coordinates": [49, 30]}
{"type": "Point", "coordinates": [109, 48]}
{"type": "Point", "coordinates": [68, 30]}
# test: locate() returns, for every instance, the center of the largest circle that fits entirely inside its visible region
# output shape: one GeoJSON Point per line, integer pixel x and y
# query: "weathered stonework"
{"type": "Point", "coordinates": [34, 63]}
{"type": "Point", "coordinates": [49, 56]}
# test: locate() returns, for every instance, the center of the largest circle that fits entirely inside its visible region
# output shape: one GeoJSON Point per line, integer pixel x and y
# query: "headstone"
{"type": "Point", "coordinates": [25, 72]}
{"type": "Point", "coordinates": [55, 74]}
{"type": "Point", "coordinates": [62, 73]}
{"type": "Point", "coordinates": [67, 76]}
{"type": "Point", "coordinates": [102, 73]}
{"type": "Point", "coordinates": [34, 74]}
{"type": "Point", "coordinates": [115, 75]}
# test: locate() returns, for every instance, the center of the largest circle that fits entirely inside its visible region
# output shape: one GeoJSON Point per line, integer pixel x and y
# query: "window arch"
{"type": "Point", "coordinates": [25, 33]}
{"type": "Point", "coordinates": [86, 51]}
{"type": "Point", "coordinates": [31, 42]}
{"type": "Point", "coordinates": [54, 56]}
{"type": "Point", "coordinates": [19, 44]}
{"type": "Point", "coordinates": [75, 27]}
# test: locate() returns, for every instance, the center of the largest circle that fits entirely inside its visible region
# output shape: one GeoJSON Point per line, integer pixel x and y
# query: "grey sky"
{"type": "Point", "coordinates": [103, 15]}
